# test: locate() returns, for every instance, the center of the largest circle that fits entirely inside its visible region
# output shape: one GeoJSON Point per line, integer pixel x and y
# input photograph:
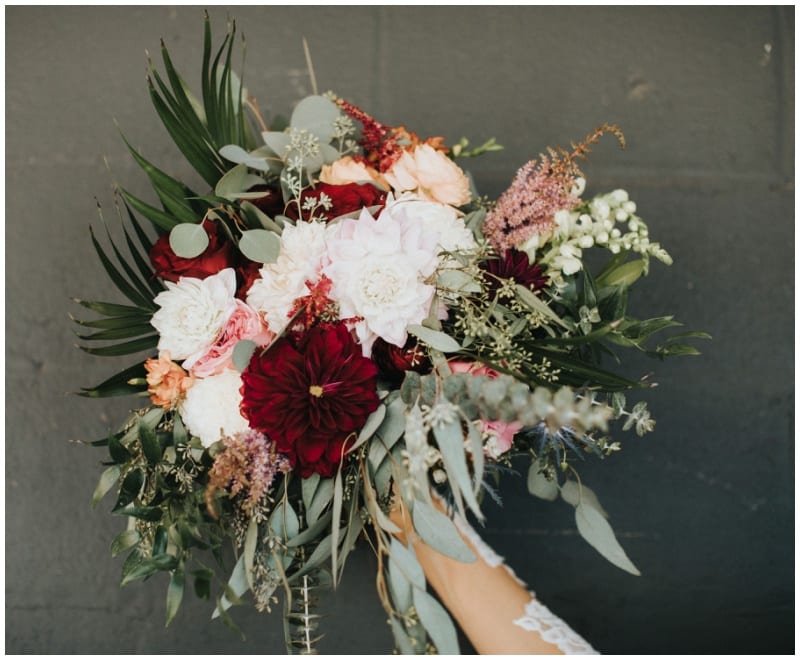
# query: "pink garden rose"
{"type": "Point", "coordinates": [501, 433]}
{"type": "Point", "coordinates": [243, 323]}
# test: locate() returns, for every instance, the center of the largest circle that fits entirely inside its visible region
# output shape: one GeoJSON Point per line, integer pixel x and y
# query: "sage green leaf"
{"type": "Point", "coordinates": [322, 497]}
{"type": "Point", "coordinates": [179, 434]}
{"type": "Point", "coordinates": [242, 353]}
{"type": "Point", "coordinates": [400, 588]}
{"type": "Point", "coordinates": [277, 142]}
{"type": "Point", "coordinates": [626, 274]}
{"type": "Point", "coordinates": [457, 280]}
{"type": "Point", "coordinates": [401, 638]}
{"type": "Point", "coordinates": [574, 493]}
{"type": "Point", "coordinates": [437, 622]}
{"type": "Point", "coordinates": [175, 593]}
{"type": "Point", "coordinates": [450, 439]}
{"type": "Point", "coordinates": [249, 553]}
{"type": "Point", "coordinates": [107, 481]}
{"type": "Point", "coordinates": [188, 240]}
{"type": "Point", "coordinates": [237, 182]}
{"type": "Point", "coordinates": [409, 389]}
{"type": "Point", "coordinates": [260, 245]}
{"type": "Point", "coordinates": [538, 305]}
{"type": "Point", "coordinates": [338, 497]}
{"type": "Point", "coordinates": [434, 338]}
{"type": "Point", "coordinates": [320, 554]}
{"type": "Point", "coordinates": [311, 532]}
{"type": "Point", "coordinates": [538, 483]}
{"type": "Point", "coordinates": [439, 532]}
{"type": "Point", "coordinates": [317, 115]}
{"type": "Point", "coordinates": [125, 540]}
{"type": "Point", "coordinates": [308, 486]}
{"type": "Point", "coordinates": [237, 585]}
{"type": "Point", "coordinates": [407, 563]}
{"type": "Point", "coordinates": [284, 521]}
{"type": "Point", "coordinates": [370, 427]}
{"type": "Point", "coordinates": [598, 533]}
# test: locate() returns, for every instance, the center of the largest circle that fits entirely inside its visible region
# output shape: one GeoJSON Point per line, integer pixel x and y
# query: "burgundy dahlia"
{"type": "Point", "coordinates": [311, 399]}
{"type": "Point", "coordinates": [513, 265]}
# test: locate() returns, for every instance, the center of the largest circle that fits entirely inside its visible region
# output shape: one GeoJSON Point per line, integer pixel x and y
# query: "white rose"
{"type": "Point", "coordinates": [193, 313]}
{"type": "Point", "coordinates": [430, 174]}
{"type": "Point", "coordinates": [210, 409]}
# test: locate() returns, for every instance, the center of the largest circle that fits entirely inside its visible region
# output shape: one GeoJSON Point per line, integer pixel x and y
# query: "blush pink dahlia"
{"type": "Point", "coordinates": [311, 397]}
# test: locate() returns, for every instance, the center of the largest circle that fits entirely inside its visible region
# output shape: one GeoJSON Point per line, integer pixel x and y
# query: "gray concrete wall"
{"type": "Point", "coordinates": [704, 505]}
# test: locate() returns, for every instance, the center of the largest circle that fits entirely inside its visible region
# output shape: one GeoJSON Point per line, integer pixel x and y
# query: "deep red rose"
{"type": "Point", "coordinates": [246, 274]}
{"type": "Point", "coordinates": [219, 254]}
{"type": "Point", "coordinates": [393, 361]}
{"type": "Point", "coordinates": [311, 399]}
{"type": "Point", "coordinates": [344, 199]}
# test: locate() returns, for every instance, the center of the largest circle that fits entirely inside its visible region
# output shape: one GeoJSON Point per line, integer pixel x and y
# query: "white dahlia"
{"type": "Point", "coordinates": [446, 221]}
{"type": "Point", "coordinates": [210, 409]}
{"type": "Point", "coordinates": [193, 313]}
{"type": "Point", "coordinates": [378, 268]}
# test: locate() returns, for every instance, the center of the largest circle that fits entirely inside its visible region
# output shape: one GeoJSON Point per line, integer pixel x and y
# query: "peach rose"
{"type": "Point", "coordinates": [167, 381]}
{"type": "Point", "coordinates": [348, 170]}
{"type": "Point", "coordinates": [243, 323]}
{"type": "Point", "coordinates": [501, 434]}
{"type": "Point", "coordinates": [431, 174]}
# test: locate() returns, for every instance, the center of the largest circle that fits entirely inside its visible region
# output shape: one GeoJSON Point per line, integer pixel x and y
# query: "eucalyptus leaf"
{"type": "Point", "coordinates": [174, 593]}
{"type": "Point", "coordinates": [437, 622]}
{"type": "Point", "coordinates": [439, 532]}
{"type": "Point", "coordinates": [574, 493]}
{"type": "Point", "coordinates": [401, 638]}
{"type": "Point", "coordinates": [260, 245]}
{"type": "Point", "coordinates": [400, 588]}
{"type": "Point", "coordinates": [322, 497]}
{"type": "Point", "coordinates": [249, 552]}
{"type": "Point", "coordinates": [407, 563]}
{"type": "Point", "coordinates": [237, 584]}
{"type": "Point", "coordinates": [107, 481]}
{"type": "Point", "coordinates": [338, 496]}
{"type": "Point", "coordinates": [538, 305]}
{"type": "Point", "coordinates": [457, 280]}
{"type": "Point", "coordinates": [242, 353]}
{"type": "Point", "coordinates": [435, 339]}
{"type": "Point", "coordinates": [277, 142]}
{"type": "Point", "coordinates": [308, 486]}
{"type": "Point", "coordinates": [450, 439]}
{"type": "Point", "coordinates": [594, 528]}
{"type": "Point", "coordinates": [236, 182]}
{"type": "Point", "coordinates": [538, 483]}
{"type": "Point", "coordinates": [188, 240]}
{"type": "Point", "coordinates": [317, 115]}
{"type": "Point", "coordinates": [370, 427]}
{"type": "Point", "coordinates": [125, 540]}
{"type": "Point", "coordinates": [256, 160]}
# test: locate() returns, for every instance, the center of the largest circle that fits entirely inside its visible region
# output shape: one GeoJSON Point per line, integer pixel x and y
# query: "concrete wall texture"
{"type": "Point", "coordinates": [704, 505]}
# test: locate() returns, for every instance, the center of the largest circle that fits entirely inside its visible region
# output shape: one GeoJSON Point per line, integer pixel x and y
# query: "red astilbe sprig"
{"type": "Point", "coordinates": [383, 145]}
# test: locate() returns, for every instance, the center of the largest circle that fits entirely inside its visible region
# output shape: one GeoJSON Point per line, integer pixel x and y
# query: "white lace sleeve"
{"type": "Point", "coordinates": [537, 617]}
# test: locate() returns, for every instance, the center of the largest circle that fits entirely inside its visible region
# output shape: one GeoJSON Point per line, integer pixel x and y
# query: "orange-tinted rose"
{"type": "Point", "coordinates": [167, 381]}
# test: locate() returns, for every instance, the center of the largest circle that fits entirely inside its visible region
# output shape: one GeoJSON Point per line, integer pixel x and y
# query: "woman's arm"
{"type": "Point", "coordinates": [493, 608]}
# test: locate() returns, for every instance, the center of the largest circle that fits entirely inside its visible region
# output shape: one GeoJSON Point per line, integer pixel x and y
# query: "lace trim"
{"type": "Point", "coordinates": [552, 629]}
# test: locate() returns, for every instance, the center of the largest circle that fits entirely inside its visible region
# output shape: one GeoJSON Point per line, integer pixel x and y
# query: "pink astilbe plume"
{"type": "Point", "coordinates": [248, 465]}
{"type": "Point", "coordinates": [528, 206]}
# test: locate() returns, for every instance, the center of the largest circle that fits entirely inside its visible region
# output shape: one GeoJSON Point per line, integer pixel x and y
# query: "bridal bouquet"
{"type": "Point", "coordinates": [337, 328]}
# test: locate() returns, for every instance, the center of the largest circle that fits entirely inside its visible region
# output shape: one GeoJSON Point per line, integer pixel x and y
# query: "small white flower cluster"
{"type": "Point", "coordinates": [597, 226]}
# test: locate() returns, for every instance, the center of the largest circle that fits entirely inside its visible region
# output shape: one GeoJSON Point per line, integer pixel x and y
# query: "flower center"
{"type": "Point", "coordinates": [316, 390]}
